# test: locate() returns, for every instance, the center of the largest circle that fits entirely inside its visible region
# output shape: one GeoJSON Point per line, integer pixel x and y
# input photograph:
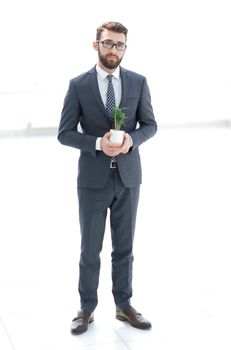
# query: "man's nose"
{"type": "Point", "coordinates": [114, 48]}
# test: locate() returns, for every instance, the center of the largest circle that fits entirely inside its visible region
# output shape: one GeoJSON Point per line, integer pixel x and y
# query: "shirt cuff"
{"type": "Point", "coordinates": [97, 144]}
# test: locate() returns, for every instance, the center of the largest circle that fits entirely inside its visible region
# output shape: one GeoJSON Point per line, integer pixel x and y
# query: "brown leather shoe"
{"type": "Point", "coordinates": [133, 317]}
{"type": "Point", "coordinates": [80, 323]}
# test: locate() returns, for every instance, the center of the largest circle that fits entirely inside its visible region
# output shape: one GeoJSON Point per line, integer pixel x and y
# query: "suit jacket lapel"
{"type": "Point", "coordinates": [95, 89]}
{"type": "Point", "coordinates": [124, 81]}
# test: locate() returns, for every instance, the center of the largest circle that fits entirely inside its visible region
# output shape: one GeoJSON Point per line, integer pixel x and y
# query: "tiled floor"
{"type": "Point", "coordinates": [182, 247]}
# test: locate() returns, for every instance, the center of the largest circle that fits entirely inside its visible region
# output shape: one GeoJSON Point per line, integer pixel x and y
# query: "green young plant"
{"type": "Point", "coordinates": [119, 117]}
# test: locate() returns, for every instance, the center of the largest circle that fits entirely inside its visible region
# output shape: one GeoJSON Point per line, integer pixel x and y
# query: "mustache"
{"type": "Point", "coordinates": [112, 55]}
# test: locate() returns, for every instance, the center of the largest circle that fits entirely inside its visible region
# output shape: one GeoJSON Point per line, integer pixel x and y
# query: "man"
{"type": "Point", "coordinates": [109, 175]}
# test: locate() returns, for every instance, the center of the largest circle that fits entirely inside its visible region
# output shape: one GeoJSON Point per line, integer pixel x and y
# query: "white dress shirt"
{"type": "Point", "coordinates": [103, 84]}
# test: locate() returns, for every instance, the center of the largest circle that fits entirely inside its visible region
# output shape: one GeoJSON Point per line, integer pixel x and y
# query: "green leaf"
{"type": "Point", "coordinates": [119, 117]}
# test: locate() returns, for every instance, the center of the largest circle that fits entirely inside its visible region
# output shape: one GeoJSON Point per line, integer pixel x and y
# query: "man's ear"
{"type": "Point", "coordinates": [95, 45]}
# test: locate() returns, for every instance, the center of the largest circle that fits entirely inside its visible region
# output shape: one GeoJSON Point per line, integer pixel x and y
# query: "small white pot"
{"type": "Point", "coordinates": [117, 136]}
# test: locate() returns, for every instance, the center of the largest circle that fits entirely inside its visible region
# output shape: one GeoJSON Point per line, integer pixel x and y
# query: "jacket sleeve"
{"type": "Point", "coordinates": [145, 117]}
{"type": "Point", "coordinates": [68, 133]}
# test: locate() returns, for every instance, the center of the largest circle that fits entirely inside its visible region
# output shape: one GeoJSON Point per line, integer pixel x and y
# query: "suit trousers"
{"type": "Point", "coordinates": [94, 205]}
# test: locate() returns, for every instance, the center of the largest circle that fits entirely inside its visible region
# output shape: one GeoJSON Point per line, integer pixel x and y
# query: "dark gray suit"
{"type": "Point", "coordinates": [99, 187]}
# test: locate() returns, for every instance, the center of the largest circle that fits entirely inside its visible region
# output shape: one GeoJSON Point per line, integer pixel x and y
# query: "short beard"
{"type": "Point", "coordinates": [107, 63]}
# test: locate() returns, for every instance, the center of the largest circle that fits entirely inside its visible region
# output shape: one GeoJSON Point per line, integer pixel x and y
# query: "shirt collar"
{"type": "Point", "coordinates": [103, 74]}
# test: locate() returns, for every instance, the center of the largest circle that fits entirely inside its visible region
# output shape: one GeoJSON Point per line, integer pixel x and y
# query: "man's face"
{"type": "Point", "coordinates": [110, 58]}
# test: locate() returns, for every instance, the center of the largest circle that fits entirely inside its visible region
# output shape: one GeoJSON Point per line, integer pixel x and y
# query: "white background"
{"type": "Point", "coordinates": [183, 226]}
{"type": "Point", "coordinates": [182, 46]}
{"type": "Point", "coordinates": [182, 247]}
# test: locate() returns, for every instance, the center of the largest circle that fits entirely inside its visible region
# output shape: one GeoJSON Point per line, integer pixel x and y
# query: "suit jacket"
{"type": "Point", "coordinates": [83, 106]}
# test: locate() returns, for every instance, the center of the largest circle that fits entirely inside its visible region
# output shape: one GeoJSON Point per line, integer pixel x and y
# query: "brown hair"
{"type": "Point", "coordinates": [113, 26]}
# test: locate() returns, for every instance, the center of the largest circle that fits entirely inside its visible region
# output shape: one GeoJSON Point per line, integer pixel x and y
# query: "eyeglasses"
{"type": "Point", "coordinates": [108, 44]}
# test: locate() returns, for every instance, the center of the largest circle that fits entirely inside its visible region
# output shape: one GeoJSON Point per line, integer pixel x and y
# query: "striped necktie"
{"type": "Point", "coordinates": [110, 102]}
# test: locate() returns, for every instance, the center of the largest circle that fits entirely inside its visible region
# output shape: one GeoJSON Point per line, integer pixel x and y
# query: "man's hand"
{"type": "Point", "coordinates": [114, 149]}
{"type": "Point", "coordinates": [110, 149]}
{"type": "Point", "coordinates": [126, 144]}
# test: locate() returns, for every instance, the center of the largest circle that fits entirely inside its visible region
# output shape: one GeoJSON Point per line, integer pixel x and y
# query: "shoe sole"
{"type": "Point", "coordinates": [122, 318]}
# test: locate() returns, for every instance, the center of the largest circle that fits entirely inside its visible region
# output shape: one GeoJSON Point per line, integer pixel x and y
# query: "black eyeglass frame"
{"type": "Point", "coordinates": [112, 45]}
